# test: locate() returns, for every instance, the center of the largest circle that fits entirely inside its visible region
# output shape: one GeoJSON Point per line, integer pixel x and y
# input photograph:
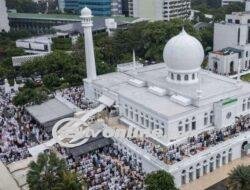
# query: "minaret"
{"type": "Point", "coordinates": [4, 21]}
{"type": "Point", "coordinates": [87, 24]}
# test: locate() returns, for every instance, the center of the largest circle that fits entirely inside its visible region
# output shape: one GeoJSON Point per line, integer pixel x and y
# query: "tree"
{"type": "Point", "coordinates": [160, 180]}
{"type": "Point", "coordinates": [51, 81]}
{"type": "Point", "coordinates": [50, 173]}
{"type": "Point", "coordinates": [30, 95]}
{"type": "Point", "coordinates": [68, 181]}
{"type": "Point", "coordinates": [239, 178]}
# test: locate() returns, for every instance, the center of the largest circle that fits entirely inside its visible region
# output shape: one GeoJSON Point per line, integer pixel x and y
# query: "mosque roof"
{"type": "Point", "coordinates": [213, 87]}
{"type": "Point", "coordinates": [183, 53]}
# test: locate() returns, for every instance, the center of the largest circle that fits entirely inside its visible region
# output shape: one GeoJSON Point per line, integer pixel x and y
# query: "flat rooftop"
{"type": "Point", "coordinates": [228, 51]}
{"type": "Point", "coordinates": [213, 87]}
{"type": "Point", "coordinates": [50, 110]}
{"type": "Point", "coordinates": [63, 17]}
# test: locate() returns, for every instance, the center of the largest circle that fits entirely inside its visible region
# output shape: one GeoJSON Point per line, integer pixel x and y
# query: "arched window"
{"type": "Point", "coordinates": [205, 119]}
{"type": "Point", "coordinates": [244, 105]}
{"type": "Point", "coordinates": [193, 76]}
{"type": "Point", "coordinates": [183, 177]}
{"type": "Point", "coordinates": [187, 125]}
{"type": "Point", "coordinates": [205, 167]}
{"type": "Point", "coordinates": [191, 174]}
{"type": "Point", "coordinates": [211, 117]}
{"type": "Point", "coordinates": [218, 160]}
{"type": "Point", "coordinates": [230, 155]}
{"type": "Point", "coordinates": [198, 171]}
{"type": "Point", "coordinates": [211, 164]}
{"type": "Point", "coordinates": [215, 66]}
{"type": "Point", "coordinates": [180, 127]}
{"type": "Point", "coordinates": [172, 76]}
{"type": "Point", "coordinates": [232, 67]}
{"type": "Point", "coordinates": [126, 110]}
{"type": "Point", "coordinates": [193, 123]}
{"type": "Point", "coordinates": [178, 77]}
{"type": "Point", "coordinates": [186, 77]}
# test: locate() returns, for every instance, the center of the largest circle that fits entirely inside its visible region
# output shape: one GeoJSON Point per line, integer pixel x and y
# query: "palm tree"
{"type": "Point", "coordinates": [50, 172]}
{"type": "Point", "coordinates": [69, 182]}
{"type": "Point", "coordinates": [239, 178]}
{"type": "Point", "coordinates": [160, 180]}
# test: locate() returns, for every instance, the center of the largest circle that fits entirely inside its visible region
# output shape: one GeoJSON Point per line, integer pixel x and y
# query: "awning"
{"type": "Point", "coordinates": [106, 100]}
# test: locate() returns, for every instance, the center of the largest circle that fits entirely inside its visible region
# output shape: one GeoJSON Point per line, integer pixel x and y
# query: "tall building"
{"type": "Point", "coordinates": [159, 9]}
{"type": "Point", "coordinates": [98, 7]}
{"type": "Point", "coordinates": [231, 43]}
{"type": "Point", "coordinates": [4, 22]}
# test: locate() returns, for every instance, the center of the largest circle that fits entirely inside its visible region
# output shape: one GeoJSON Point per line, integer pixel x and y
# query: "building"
{"type": "Point", "coordinates": [159, 9]}
{"type": "Point", "coordinates": [50, 23]}
{"type": "Point", "coordinates": [100, 24]}
{"type": "Point", "coordinates": [4, 22]}
{"type": "Point", "coordinates": [226, 61]}
{"type": "Point", "coordinates": [227, 2]}
{"type": "Point", "coordinates": [233, 33]}
{"type": "Point", "coordinates": [35, 45]}
{"type": "Point", "coordinates": [99, 7]}
{"type": "Point", "coordinates": [175, 97]}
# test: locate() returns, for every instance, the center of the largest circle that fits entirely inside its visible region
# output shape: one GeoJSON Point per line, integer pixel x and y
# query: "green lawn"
{"type": "Point", "coordinates": [246, 77]}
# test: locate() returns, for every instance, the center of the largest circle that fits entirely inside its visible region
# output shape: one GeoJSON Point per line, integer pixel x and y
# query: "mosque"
{"type": "Point", "coordinates": [176, 96]}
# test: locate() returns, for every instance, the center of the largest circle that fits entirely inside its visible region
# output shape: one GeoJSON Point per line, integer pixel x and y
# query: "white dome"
{"type": "Point", "coordinates": [183, 53]}
{"type": "Point", "coordinates": [86, 12]}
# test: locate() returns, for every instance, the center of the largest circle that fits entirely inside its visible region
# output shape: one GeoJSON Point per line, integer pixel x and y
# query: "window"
{"type": "Point", "coordinates": [136, 117]}
{"type": "Point", "coordinates": [218, 160]}
{"type": "Point", "coordinates": [197, 171]}
{"type": "Point", "coordinates": [191, 177]}
{"type": "Point", "coordinates": [193, 76]}
{"type": "Point", "coordinates": [211, 165]}
{"type": "Point", "coordinates": [248, 21]}
{"type": "Point", "coordinates": [186, 77]}
{"type": "Point", "coordinates": [205, 119]}
{"type": "Point", "coordinates": [142, 120]}
{"type": "Point", "coordinates": [178, 77]}
{"type": "Point", "coordinates": [172, 76]}
{"type": "Point", "coordinates": [248, 103]}
{"type": "Point", "coordinates": [131, 114]}
{"type": "Point", "coordinates": [180, 127]}
{"type": "Point", "coordinates": [183, 177]}
{"type": "Point", "coordinates": [237, 21]}
{"type": "Point", "coordinates": [193, 125]}
{"type": "Point", "coordinates": [229, 20]}
{"type": "Point", "coordinates": [205, 167]}
{"type": "Point", "coordinates": [187, 125]}
{"type": "Point", "coordinates": [126, 110]}
{"type": "Point", "coordinates": [244, 105]}
{"type": "Point", "coordinates": [238, 35]}
{"type": "Point", "coordinates": [211, 117]}
{"type": "Point", "coordinates": [230, 155]}
{"type": "Point", "coordinates": [229, 114]}
{"type": "Point", "coordinates": [246, 53]}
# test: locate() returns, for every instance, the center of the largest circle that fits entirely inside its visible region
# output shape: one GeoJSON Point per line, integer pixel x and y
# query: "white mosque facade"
{"type": "Point", "coordinates": [176, 96]}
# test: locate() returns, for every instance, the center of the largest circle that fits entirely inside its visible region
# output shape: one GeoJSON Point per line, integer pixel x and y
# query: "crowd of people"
{"type": "Point", "coordinates": [193, 145]}
{"type": "Point", "coordinates": [75, 95]}
{"type": "Point", "coordinates": [108, 168]}
{"type": "Point", "coordinates": [18, 131]}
